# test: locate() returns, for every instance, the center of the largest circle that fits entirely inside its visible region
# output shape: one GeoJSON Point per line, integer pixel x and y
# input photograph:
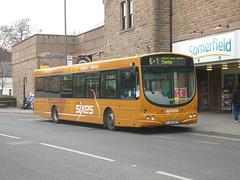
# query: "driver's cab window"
{"type": "Point", "coordinates": [130, 83]}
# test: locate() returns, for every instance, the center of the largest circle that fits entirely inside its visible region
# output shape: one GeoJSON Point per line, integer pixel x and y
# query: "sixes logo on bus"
{"type": "Point", "coordinates": [83, 110]}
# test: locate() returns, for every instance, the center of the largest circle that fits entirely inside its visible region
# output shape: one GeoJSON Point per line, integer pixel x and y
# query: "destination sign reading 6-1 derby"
{"type": "Point", "coordinates": [167, 61]}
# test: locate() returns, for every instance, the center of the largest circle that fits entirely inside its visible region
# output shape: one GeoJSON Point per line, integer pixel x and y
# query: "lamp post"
{"type": "Point", "coordinates": [65, 27]}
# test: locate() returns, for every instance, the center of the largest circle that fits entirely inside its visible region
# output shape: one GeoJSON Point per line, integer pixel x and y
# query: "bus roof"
{"type": "Point", "coordinates": [91, 66]}
{"type": "Point", "coordinates": [97, 65]}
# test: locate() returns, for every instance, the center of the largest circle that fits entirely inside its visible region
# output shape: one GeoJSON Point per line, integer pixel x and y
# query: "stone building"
{"type": "Point", "coordinates": [44, 51]}
{"type": "Point", "coordinates": [207, 30]}
{"type": "Point", "coordinates": [135, 27]}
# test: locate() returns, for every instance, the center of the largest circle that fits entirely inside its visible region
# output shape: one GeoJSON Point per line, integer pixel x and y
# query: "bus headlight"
{"type": "Point", "coordinates": [152, 118]}
{"type": "Point", "coordinates": [194, 115]}
{"type": "Point", "coordinates": [147, 117]}
{"type": "Point", "coordinates": [190, 115]}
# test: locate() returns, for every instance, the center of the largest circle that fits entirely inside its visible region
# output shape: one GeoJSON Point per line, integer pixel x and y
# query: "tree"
{"type": "Point", "coordinates": [5, 55]}
{"type": "Point", "coordinates": [5, 38]}
{"type": "Point", "coordinates": [9, 36]}
{"type": "Point", "coordinates": [5, 73]}
{"type": "Point", "coordinates": [21, 30]}
{"type": "Point", "coordinates": [5, 68]}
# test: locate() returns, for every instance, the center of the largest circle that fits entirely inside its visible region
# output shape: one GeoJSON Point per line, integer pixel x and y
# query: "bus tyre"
{"type": "Point", "coordinates": [55, 115]}
{"type": "Point", "coordinates": [110, 120]}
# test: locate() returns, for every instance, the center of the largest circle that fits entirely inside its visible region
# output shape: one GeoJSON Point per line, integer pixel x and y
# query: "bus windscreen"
{"type": "Point", "coordinates": [168, 80]}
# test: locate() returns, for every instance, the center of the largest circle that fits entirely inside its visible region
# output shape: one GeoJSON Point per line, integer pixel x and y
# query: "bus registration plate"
{"type": "Point", "coordinates": [172, 122]}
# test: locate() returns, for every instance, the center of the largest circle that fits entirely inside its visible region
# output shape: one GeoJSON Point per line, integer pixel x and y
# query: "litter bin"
{"type": "Point", "coordinates": [12, 102]}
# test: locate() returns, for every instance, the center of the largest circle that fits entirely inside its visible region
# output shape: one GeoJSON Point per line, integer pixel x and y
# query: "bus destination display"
{"type": "Point", "coordinates": [167, 61]}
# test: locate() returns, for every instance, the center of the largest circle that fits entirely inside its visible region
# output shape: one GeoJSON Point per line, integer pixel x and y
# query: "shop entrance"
{"type": "Point", "coordinates": [202, 79]}
{"type": "Point", "coordinates": [209, 89]}
{"type": "Point", "coordinates": [226, 91]}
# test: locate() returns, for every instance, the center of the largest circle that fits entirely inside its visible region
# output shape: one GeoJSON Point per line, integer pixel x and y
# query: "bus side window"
{"type": "Point", "coordinates": [42, 87]}
{"type": "Point", "coordinates": [55, 86]}
{"type": "Point", "coordinates": [46, 84]}
{"type": "Point", "coordinates": [92, 85]}
{"type": "Point", "coordinates": [109, 84]}
{"type": "Point", "coordinates": [66, 86]}
{"type": "Point", "coordinates": [79, 85]}
{"type": "Point", "coordinates": [129, 82]}
{"type": "Point", "coordinates": [39, 87]}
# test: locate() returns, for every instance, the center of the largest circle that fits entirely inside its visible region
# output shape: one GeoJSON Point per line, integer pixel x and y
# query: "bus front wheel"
{"type": "Point", "coordinates": [110, 120]}
{"type": "Point", "coordinates": [55, 115]}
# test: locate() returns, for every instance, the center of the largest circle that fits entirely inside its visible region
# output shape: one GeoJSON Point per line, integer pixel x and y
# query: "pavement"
{"type": "Point", "coordinates": [209, 122]}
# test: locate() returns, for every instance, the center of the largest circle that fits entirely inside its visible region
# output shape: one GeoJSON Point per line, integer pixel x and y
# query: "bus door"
{"type": "Point", "coordinates": [129, 94]}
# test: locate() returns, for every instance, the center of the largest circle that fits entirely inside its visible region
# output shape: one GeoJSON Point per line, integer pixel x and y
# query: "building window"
{"type": "Point", "coordinates": [126, 14]}
{"type": "Point", "coordinates": [123, 15]}
{"type": "Point", "coordinates": [130, 14]}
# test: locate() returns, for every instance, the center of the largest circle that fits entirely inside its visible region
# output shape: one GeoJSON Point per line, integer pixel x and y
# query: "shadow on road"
{"type": "Point", "coordinates": [143, 130]}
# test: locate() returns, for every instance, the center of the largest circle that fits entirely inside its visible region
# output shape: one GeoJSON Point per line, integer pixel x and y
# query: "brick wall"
{"type": "Point", "coordinates": [20, 70]}
{"type": "Point", "coordinates": [189, 15]}
{"type": "Point", "coordinates": [150, 27]}
{"type": "Point", "coordinates": [91, 43]}
{"type": "Point", "coordinates": [162, 25]}
{"type": "Point", "coordinates": [39, 49]}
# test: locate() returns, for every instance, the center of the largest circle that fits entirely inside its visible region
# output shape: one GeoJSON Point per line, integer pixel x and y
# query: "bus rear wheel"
{"type": "Point", "coordinates": [55, 115]}
{"type": "Point", "coordinates": [110, 120]}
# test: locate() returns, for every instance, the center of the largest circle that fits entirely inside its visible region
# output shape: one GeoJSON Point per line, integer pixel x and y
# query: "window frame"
{"type": "Point", "coordinates": [136, 82]}
{"type": "Point", "coordinates": [67, 93]}
{"type": "Point", "coordinates": [83, 83]}
{"type": "Point", "coordinates": [130, 14]}
{"type": "Point", "coordinates": [116, 84]}
{"type": "Point", "coordinates": [90, 78]}
{"type": "Point", "coordinates": [126, 14]}
{"type": "Point", "coordinates": [93, 77]}
{"type": "Point", "coordinates": [55, 94]}
{"type": "Point", "coordinates": [123, 15]}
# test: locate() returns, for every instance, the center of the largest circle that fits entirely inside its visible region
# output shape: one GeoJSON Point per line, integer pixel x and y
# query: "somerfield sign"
{"type": "Point", "coordinates": [219, 46]}
{"type": "Point", "coordinates": [210, 48]}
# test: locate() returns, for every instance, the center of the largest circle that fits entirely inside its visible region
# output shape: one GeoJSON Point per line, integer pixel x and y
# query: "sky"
{"type": "Point", "coordinates": [48, 15]}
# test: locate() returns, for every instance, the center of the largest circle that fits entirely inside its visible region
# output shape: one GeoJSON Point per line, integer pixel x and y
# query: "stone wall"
{"type": "Point", "coordinates": [91, 43]}
{"type": "Point", "coordinates": [150, 28]}
{"type": "Point", "coordinates": [150, 33]}
{"type": "Point", "coordinates": [40, 49]}
{"type": "Point", "coordinates": [189, 15]}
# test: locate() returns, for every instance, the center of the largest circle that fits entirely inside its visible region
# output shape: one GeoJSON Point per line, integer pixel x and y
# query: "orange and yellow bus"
{"type": "Point", "coordinates": [149, 90]}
